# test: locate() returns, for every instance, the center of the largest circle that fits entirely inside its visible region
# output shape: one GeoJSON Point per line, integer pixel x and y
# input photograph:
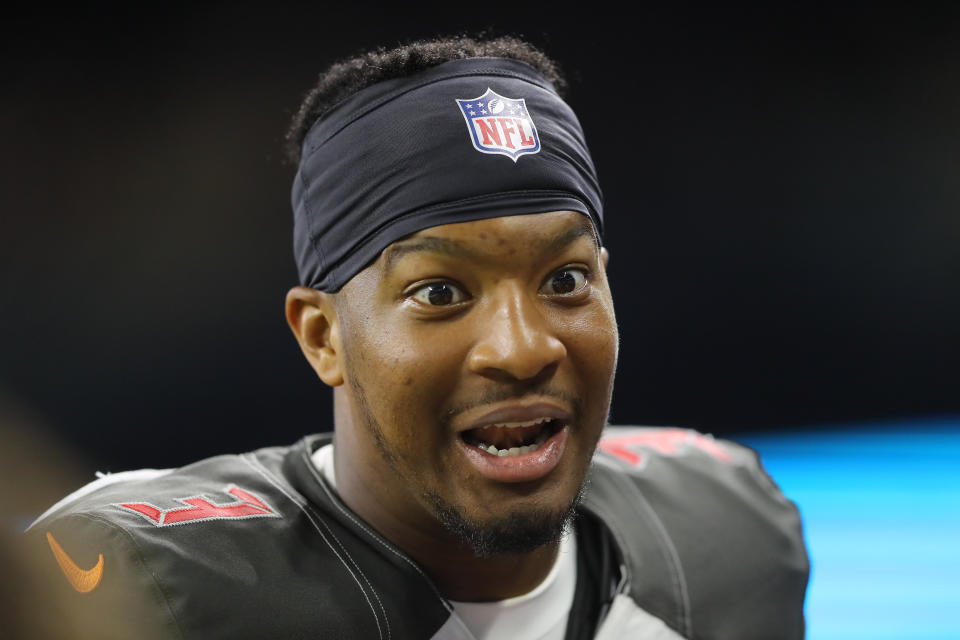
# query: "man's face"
{"type": "Point", "coordinates": [479, 361]}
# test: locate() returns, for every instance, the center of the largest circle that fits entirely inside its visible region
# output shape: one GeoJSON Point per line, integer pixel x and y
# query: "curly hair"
{"type": "Point", "coordinates": [344, 78]}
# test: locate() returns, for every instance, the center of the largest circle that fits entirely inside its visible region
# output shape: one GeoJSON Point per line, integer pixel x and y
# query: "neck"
{"type": "Point", "coordinates": [466, 578]}
{"type": "Point", "coordinates": [458, 573]}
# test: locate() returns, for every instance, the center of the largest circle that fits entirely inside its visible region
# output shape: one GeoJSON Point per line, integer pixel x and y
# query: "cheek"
{"type": "Point", "coordinates": [593, 340]}
{"type": "Point", "coordinates": [408, 376]}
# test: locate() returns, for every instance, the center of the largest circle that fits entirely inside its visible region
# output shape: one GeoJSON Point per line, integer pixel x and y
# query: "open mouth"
{"type": "Point", "coordinates": [512, 438]}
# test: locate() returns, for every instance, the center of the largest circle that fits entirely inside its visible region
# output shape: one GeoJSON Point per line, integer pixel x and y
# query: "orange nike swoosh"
{"type": "Point", "coordinates": [83, 580]}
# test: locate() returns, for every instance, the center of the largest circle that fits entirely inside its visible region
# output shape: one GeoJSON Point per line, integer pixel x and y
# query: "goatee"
{"type": "Point", "coordinates": [516, 533]}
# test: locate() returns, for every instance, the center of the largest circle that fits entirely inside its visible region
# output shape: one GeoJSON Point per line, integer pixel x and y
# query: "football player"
{"type": "Point", "coordinates": [448, 232]}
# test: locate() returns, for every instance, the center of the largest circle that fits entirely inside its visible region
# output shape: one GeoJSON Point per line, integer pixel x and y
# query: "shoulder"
{"type": "Point", "coordinates": [667, 459]}
{"type": "Point", "coordinates": [692, 471]}
{"type": "Point", "coordinates": [170, 552]}
{"type": "Point", "coordinates": [722, 533]}
{"type": "Point", "coordinates": [213, 488]}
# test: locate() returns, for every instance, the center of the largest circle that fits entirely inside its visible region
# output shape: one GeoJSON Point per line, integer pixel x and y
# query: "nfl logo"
{"type": "Point", "coordinates": [500, 125]}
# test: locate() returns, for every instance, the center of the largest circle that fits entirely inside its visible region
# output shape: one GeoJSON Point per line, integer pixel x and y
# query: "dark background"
{"type": "Point", "coordinates": [781, 185]}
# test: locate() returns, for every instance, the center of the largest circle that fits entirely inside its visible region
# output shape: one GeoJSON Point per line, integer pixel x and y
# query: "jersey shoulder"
{"type": "Point", "coordinates": [705, 514]}
{"type": "Point", "coordinates": [172, 553]}
{"type": "Point", "coordinates": [220, 487]}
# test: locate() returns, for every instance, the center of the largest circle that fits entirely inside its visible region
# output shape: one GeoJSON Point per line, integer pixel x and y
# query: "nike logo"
{"type": "Point", "coordinates": [83, 580]}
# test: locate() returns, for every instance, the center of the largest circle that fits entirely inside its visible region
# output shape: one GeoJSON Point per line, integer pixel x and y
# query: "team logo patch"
{"type": "Point", "coordinates": [243, 505]}
{"type": "Point", "coordinates": [634, 448]}
{"type": "Point", "coordinates": [498, 124]}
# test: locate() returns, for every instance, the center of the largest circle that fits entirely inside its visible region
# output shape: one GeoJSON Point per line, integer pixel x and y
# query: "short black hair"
{"type": "Point", "coordinates": [344, 78]}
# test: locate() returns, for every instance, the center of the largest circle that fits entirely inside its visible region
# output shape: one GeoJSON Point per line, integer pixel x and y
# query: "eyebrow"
{"type": "Point", "coordinates": [456, 249]}
{"type": "Point", "coordinates": [429, 244]}
{"type": "Point", "coordinates": [584, 228]}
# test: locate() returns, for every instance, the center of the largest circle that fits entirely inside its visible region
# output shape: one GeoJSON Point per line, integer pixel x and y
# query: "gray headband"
{"type": "Point", "coordinates": [465, 140]}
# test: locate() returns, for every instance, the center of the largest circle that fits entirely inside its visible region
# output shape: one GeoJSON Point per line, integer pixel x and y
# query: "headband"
{"type": "Point", "coordinates": [465, 140]}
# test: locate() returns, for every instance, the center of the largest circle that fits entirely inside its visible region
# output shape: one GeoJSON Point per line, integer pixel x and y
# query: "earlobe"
{"type": "Point", "coordinates": [313, 320]}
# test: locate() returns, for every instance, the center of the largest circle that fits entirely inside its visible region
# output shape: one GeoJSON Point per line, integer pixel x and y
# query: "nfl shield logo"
{"type": "Point", "coordinates": [500, 125]}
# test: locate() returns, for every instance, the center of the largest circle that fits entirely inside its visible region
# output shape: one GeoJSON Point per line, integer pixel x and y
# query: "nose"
{"type": "Point", "coordinates": [516, 340]}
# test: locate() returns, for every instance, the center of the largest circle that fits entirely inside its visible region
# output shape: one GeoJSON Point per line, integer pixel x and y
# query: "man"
{"type": "Point", "coordinates": [447, 231]}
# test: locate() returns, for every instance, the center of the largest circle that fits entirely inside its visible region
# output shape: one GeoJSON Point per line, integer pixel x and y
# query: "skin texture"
{"type": "Point", "coordinates": [410, 375]}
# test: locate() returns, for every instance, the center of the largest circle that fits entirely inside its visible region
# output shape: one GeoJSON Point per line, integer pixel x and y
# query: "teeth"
{"type": "Point", "coordinates": [513, 451]}
{"type": "Point", "coordinates": [517, 451]}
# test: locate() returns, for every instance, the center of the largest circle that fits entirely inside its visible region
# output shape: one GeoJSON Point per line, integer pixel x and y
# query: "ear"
{"type": "Point", "coordinates": [604, 256]}
{"type": "Point", "coordinates": [312, 318]}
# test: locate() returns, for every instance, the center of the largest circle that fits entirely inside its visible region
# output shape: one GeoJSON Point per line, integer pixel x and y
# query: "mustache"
{"type": "Point", "coordinates": [502, 394]}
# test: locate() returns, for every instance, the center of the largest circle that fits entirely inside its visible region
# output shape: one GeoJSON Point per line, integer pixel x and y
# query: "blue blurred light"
{"type": "Point", "coordinates": [881, 511]}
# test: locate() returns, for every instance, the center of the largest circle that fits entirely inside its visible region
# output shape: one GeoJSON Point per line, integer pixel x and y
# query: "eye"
{"type": "Point", "coordinates": [438, 294]}
{"type": "Point", "coordinates": [565, 282]}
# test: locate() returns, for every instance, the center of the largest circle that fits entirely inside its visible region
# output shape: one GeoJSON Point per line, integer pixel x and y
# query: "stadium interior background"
{"type": "Point", "coordinates": [783, 215]}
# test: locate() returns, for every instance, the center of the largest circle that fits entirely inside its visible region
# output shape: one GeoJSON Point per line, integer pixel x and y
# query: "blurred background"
{"type": "Point", "coordinates": [783, 216]}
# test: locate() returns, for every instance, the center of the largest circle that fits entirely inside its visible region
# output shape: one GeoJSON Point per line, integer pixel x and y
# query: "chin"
{"type": "Point", "coordinates": [515, 533]}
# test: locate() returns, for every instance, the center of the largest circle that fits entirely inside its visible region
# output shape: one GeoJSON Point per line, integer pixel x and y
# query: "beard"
{"type": "Point", "coordinates": [513, 534]}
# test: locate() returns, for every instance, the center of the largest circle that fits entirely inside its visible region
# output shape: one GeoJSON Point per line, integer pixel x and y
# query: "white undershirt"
{"type": "Point", "coordinates": [540, 614]}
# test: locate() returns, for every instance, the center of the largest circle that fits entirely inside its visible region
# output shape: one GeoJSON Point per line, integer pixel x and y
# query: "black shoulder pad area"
{"type": "Point", "coordinates": [93, 584]}
{"type": "Point", "coordinates": [710, 543]}
{"type": "Point", "coordinates": [222, 548]}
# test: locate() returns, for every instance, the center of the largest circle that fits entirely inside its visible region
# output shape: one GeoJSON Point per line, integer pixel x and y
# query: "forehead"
{"type": "Point", "coordinates": [540, 233]}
